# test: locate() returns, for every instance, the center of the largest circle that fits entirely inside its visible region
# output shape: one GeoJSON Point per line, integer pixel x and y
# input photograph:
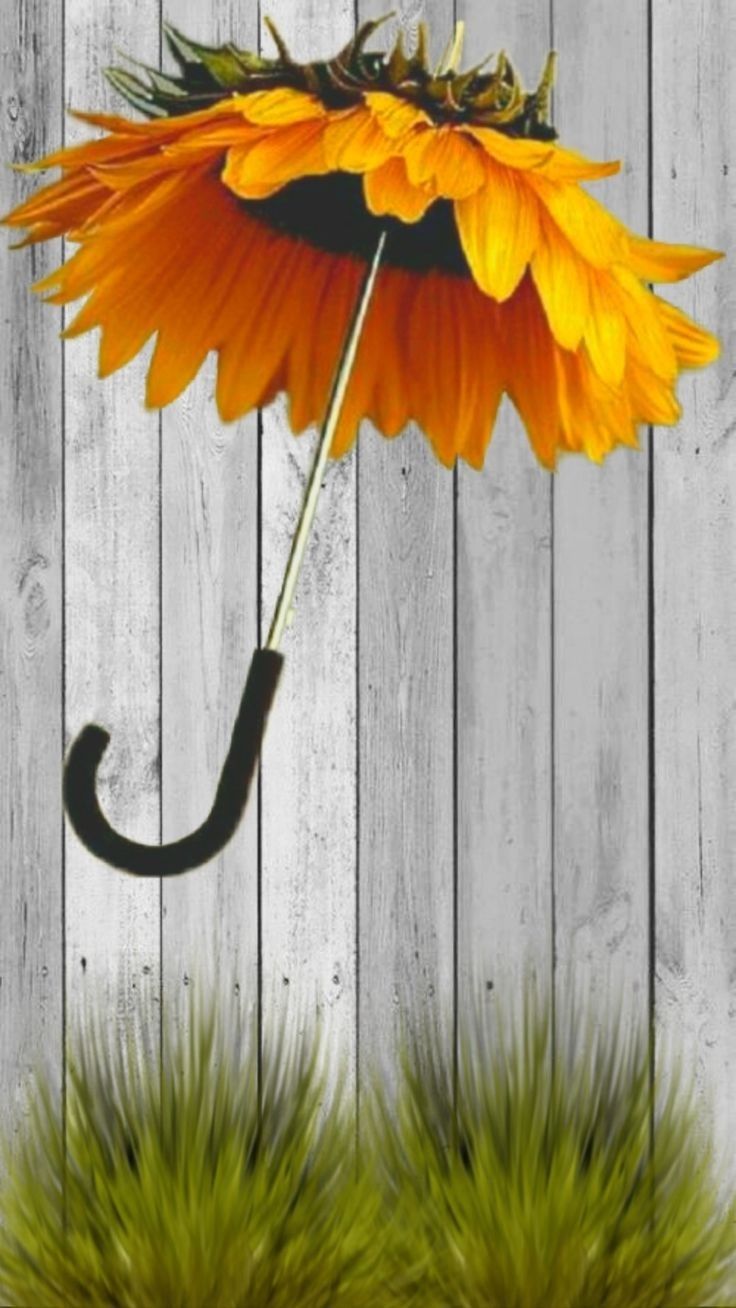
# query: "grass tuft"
{"type": "Point", "coordinates": [520, 1175]}
{"type": "Point", "coordinates": [183, 1190]}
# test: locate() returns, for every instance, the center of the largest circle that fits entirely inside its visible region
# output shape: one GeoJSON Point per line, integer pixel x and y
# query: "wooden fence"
{"type": "Point", "coordinates": [506, 733]}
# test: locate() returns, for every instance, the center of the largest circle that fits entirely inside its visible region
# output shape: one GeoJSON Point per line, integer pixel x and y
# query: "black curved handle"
{"type": "Point", "coordinates": [93, 828]}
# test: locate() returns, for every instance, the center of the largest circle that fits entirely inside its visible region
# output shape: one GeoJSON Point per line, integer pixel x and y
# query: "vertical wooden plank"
{"type": "Point", "coordinates": [504, 657]}
{"type": "Point", "coordinates": [112, 586]}
{"type": "Point", "coordinates": [209, 630]}
{"type": "Point", "coordinates": [406, 771]}
{"type": "Point", "coordinates": [600, 613]}
{"type": "Point", "coordinates": [694, 102]}
{"type": "Point", "coordinates": [30, 580]}
{"type": "Point", "coordinates": [308, 774]}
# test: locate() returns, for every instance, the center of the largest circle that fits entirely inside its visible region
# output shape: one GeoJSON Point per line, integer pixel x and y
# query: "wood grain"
{"type": "Point", "coordinates": [406, 770]}
{"type": "Point", "coordinates": [112, 589]}
{"type": "Point", "coordinates": [600, 613]}
{"type": "Point", "coordinates": [209, 630]}
{"type": "Point", "coordinates": [308, 834]}
{"type": "Point", "coordinates": [504, 785]}
{"type": "Point", "coordinates": [31, 949]}
{"type": "Point", "coordinates": [694, 101]}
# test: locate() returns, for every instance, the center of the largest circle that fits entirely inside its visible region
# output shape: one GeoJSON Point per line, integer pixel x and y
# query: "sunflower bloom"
{"type": "Point", "coordinates": [240, 217]}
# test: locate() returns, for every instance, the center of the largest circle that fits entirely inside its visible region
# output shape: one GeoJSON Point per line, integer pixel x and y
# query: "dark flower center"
{"type": "Point", "coordinates": [330, 213]}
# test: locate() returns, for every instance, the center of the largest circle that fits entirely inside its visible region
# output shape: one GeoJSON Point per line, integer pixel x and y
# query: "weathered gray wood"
{"type": "Point", "coordinates": [308, 776]}
{"type": "Point", "coordinates": [406, 835]}
{"type": "Point", "coordinates": [504, 659]}
{"type": "Point", "coordinates": [31, 950]}
{"type": "Point", "coordinates": [695, 562]}
{"type": "Point", "coordinates": [390, 510]}
{"type": "Point", "coordinates": [209, 626]}
{"type": "Point", "coordinates": [600, 575]}
{"type": "Point", "coordinates": [112, 588]}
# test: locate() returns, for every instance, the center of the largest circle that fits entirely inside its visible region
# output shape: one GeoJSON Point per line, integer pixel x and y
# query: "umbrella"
{"type": "Point", "coordinates": [429, 225]}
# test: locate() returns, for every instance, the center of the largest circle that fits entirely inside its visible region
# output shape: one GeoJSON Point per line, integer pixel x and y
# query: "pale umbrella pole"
{"type": "Point", "coordinates": [80, 797]}
{"type": "Point", "coordinates": [329, 427]}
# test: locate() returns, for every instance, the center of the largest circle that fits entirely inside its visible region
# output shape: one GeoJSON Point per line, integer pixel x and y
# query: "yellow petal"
{"type": "Point", "coordinates": [652, 397]}
{"type": "Point", "coordinates": [354, 143]}
{"type": "Point", "coordinates": [280, 156]}
{"type": "Point", "coordinates": [562, 280]}
{"type": "Point", "coordinates": [279, 107]}
{"type": "Point", "coordinates": [388, 191]}
{"type": "Point", "coordinates": [693, 345]}
{"type": "Point", "coordinates": [568, 166]}
{"type": "Point", "coordinates": [446, 158]}
{"type": "Point", "coordinates": [499, 230]}
{"type": "Point", "coordinates": [594, 232]}
{"type": "Point", "coordinates": [657, 261]}
{"type": "Point", "coordinates": [649, 342]}
{"type": "Point", "coordinates": [605, 332]}
{"type": "Point", "coordinates": [394, 115]}
{"type": "Point", "coordinates": [512, 151]}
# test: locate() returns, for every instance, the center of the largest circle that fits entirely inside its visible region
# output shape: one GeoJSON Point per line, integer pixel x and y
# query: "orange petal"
{"type": "Point", "coordinates": [155, 129]}
{"type": "Point", "coordinates": [121, 175]}
{"type": "Point", "coordinates": [58, 208]}
{"type": "Point", "coordinates": [216, 256]}
{"type": "Point", "coordinates": [388, 191]}
{"type": "Point", "coordinates": [456, 366]}
{"type": "Point", "coordinates": [433, 375]}
{"type": "Point", "coordinates": [531, 381]}
{"type": "Point", "coordinates": [128, 135]}
{"type": "Point", "coordinates": [109, 148]}
{"type": "Point", "coordinates": [330, 295]}
{"type": "Point", "coordinates": [279, 157]}
{"type": "Point", "coordinates": [446, 159]}
{"type": "Point", "coordinates": [656, 261]}
{"type": "Point", "coordinates": [257, 336]}
{"type": "Point", "coordinates": [389, 405]}
{"type": "Point", "coordinates": [369, 364]}
{"type": "Point", "coordinates": [483, 325]}
{"type": "Point", "coordinates": [499, 230]}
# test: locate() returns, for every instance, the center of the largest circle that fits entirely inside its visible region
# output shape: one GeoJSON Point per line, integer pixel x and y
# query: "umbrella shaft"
{"type": "Point", "coordinates": [329, 427]}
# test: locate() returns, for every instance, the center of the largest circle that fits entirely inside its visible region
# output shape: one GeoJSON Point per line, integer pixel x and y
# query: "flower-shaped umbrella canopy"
{"type": "Point", "coordinates": [250, 214]}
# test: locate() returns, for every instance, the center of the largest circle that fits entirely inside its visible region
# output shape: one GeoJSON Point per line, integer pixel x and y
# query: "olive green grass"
{"type": "Point", "coordinates": [517, 1174]}
{"type": "Point", "coordinates": [194, 1189]}
{"type": "Point", "coordinates": [540, 1188]}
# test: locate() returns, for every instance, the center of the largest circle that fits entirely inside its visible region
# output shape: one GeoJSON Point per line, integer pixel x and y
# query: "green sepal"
{"type": "Point", "coordinates": [135, 92]}
{"type": "Point", "coordinates": [228, 66]}
{"type": "Point", "coordinates": [207, 74]}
